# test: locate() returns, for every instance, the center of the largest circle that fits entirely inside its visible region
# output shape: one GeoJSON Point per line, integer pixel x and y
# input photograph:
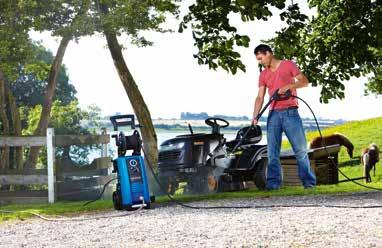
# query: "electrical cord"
{"type": "Point", "coordinates": [63, 219]}
{"type": "Point", "coordinates": [103, 191]}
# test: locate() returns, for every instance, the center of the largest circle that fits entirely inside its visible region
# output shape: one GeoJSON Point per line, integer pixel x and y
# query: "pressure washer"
{"type": "Point", "coordinates": [132, 190]}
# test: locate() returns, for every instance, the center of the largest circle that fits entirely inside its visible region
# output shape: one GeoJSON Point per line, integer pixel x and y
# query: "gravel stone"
{"type": "Point", "coordinates": [175, 226]}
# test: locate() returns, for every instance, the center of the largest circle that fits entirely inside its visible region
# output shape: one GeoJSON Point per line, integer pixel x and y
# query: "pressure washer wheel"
{"type": "Point", "coordinates": [117, 200]}
{"type": "Point", "coordinates": [151, 204]}
{"type": "Point", "coordinates": [260, 176]}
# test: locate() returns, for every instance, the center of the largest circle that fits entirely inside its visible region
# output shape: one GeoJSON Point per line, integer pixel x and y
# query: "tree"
{"type": "Point", "coordinates": [15, 49]}
{"type": "Point", "coordinates": [65, 19]}
{"type": "Point", "coordinates": [66, 118]}
{"type": "Point", "coordinates": [30, 85]}
{"type": "Point", "coordinates": [130, 17]}
{"type": "Point", "coordinates": [215, 37]}
{"type": "Point", "coordinates": [344, 40]}
{"type": "Point", "coordinates": [27, 90]}
{"type": "Point", "coordinates": [77, 18]}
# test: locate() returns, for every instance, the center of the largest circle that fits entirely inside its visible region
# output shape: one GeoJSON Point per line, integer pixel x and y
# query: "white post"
{"type": "Point", "coordinates": [104, 146]}
{"type": "Point", "coordinates": [50, 155]}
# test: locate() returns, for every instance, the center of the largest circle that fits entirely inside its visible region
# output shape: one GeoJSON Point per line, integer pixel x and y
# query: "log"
{"type": "Point", "coordinates": [23, 179]}
{"type": "Point", "coordinates": [97, 164]}
{"type": "Point", "coordinates": [68, 140]}
{"type": "Point", "coordinates": [22, 141]}
{"type": "Point", "coordinates": [23, 197]}
{"type": "Point", "coordinates": [68, 186]}
{"type": "Point", "coordinates": [24, 172]}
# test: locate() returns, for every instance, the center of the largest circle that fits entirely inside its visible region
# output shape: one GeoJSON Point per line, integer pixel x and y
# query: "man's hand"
{"type": "Point", "coordinates": [285, 88]}
{"type": "Point", "coordinates": [254, 121]}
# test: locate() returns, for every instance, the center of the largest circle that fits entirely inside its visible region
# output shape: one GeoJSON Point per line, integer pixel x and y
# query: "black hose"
{"type": "Point", "coordinates": [273, 98]}
{"type": "Point", "coordinates": [249, 206]}
{"type": "Point", "coordinates": [330, 157]}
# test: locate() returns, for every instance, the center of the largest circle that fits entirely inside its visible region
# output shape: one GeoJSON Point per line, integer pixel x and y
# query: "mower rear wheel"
{"type": "Point", "coordinates": [260, 177]}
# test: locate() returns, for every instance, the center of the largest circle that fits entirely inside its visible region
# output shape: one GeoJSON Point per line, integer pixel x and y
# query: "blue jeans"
{"type": "Point", "coordinates": [287, 121]}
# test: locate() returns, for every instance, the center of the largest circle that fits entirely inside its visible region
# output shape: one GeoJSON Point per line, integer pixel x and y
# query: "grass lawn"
{"type": "Point", "coordinates": [361, 133]}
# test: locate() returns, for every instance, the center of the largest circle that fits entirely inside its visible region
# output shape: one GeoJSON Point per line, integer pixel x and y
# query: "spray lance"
{"type": "Point", "coordinates": [275, 97]}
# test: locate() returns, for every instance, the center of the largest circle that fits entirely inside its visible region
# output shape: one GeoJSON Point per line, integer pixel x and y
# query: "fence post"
{"type": "Point", "coordinates": [104, 146]}
{"type": "Point", "coordinates": [50, 156]}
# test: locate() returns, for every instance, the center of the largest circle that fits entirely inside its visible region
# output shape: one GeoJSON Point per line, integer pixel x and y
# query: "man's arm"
{"type": "Point", "coordinates": [258, 103]}
{"type": "Point", "coordinates": [300, 82]}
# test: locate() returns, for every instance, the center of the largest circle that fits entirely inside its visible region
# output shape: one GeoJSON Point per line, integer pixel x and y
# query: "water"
{"type": "Point", "coordinates": [162, 136]}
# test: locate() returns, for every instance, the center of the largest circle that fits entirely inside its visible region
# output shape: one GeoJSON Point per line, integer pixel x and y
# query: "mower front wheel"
{"type": "Point", "coordinates": [168, 184]}
{"type": "Point", "coordinates": [203, 182]}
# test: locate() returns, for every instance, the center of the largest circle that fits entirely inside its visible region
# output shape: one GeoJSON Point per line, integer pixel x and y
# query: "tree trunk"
{"type": "Point", "coordinates": [16, 121]}
{"type": "Point", "coordinates": [140, 108]}
{"type": "Point", "coordinates": [4, 158]}
{"type": "Point", "coordinates": [48, 100]}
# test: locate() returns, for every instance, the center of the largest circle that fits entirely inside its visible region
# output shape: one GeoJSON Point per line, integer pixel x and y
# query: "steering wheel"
{"type": "Point", "coordinates": [213, 122]}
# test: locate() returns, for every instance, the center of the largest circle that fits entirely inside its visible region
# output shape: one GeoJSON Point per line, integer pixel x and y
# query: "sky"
{"type": "Point", "coordinates": [171, 81]}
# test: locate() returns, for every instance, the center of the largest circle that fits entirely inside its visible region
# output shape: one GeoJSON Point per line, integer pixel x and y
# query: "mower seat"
{"type": "Point", "coordinates": [253, 137]}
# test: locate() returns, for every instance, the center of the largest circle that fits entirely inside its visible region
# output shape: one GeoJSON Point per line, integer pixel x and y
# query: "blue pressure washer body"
{"type": "Point", "coordinates": [132, 186]}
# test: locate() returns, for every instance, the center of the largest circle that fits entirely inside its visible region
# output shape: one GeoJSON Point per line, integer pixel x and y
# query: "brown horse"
{"type": "Point", "coordinates": [333, 139]}
{"type": "Point", "coordinates": [370, 157]}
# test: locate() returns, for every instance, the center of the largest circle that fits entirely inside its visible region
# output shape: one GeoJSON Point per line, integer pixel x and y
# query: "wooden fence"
{"type": "Point", "coordinates": [62, 180]}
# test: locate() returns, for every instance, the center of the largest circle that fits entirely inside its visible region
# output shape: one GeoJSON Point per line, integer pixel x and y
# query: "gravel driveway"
{"type": "Point", "coordinates": [174, 226]}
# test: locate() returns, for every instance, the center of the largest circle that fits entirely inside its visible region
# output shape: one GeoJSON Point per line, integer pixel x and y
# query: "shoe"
{"type": "Point", "coordinates": [310, 187]}
{"type": "Point", "coordinates": [271, 189]}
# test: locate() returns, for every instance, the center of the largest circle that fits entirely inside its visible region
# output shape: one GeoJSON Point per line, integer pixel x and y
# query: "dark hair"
{"type": "Point", "coordinates": [262, 48]}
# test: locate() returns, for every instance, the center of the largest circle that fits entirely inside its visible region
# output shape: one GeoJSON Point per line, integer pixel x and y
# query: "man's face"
{"type": "Point", "coordinates": [264, 58]}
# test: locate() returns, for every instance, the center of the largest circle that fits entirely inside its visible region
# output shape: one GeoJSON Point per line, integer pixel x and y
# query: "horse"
{"type": "Point", "coordinates": [333, 139]}
{"type": "Point", "coordinates": [370, 157]}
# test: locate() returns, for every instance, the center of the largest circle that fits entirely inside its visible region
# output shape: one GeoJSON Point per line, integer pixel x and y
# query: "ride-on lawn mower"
{"type": "Point", "coordinates": [209, 163]}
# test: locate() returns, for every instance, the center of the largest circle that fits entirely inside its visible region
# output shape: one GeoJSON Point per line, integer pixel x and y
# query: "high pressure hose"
{"type": "Point", "coordinates": [327, 152]}
{"type": "Point", "coordinates": [275, 97]}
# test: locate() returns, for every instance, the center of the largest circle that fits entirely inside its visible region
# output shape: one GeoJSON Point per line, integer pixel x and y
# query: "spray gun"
{"type": "Point", "coordinates": [275, 97]}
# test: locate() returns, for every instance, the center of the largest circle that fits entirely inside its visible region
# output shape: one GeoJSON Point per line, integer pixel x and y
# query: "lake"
{"type": "Point", "coordinates": [162, 136]}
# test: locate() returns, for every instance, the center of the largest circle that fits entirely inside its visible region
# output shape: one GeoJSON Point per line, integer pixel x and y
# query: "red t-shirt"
{"type": "Point", "coordinates": [284, 74]}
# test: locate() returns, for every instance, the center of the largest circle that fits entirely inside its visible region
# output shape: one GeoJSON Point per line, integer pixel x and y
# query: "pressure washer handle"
{"type": "Point", "coordinates": [123, 120]}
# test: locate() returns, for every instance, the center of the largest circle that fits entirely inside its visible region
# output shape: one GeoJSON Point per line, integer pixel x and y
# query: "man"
{"type": "Point", "coordinates": [283, 116]}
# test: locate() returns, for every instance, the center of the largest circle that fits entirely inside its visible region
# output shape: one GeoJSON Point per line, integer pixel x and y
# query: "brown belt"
{"type": "Point", "coordinates": [292, 107]}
